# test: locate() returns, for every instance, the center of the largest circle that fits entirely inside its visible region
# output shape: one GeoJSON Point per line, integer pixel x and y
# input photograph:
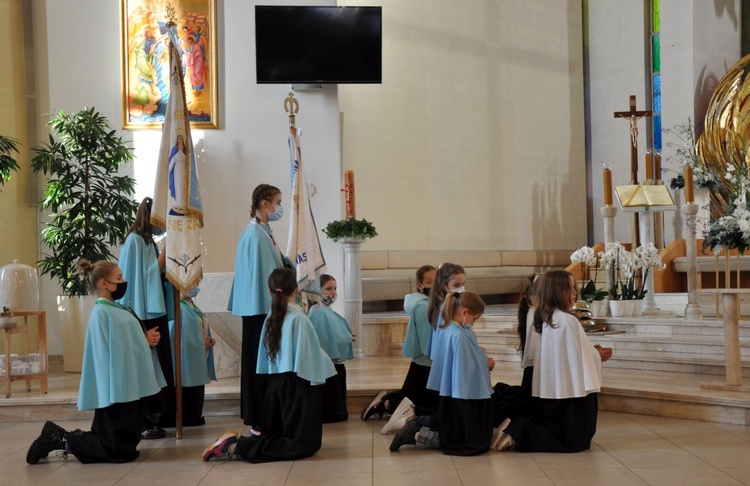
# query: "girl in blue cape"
{"type": "Point", "coordinates": [257, 256]}
{"type": "Point", "coordinates": [336, 340]}
{"type": "Point", "coordinates": [567, 376]}
{"type": "Point", "coordinates": [197, 358]}
{"type": "Point", "coordinates": [142, 267]}
{"type": "Point", "coordinates": [460, 374]}
{"type": "Point", "coordinates": [448, 277]}
{"type": "Point", "coordinates": [118, 374]}
{"type": "Point", "coordinates": [291, 357]}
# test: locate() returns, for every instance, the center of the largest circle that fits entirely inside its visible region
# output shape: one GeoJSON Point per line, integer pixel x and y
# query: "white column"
{"type": "Point", "coordinates": [693, 308]}
{"type": "Point", "coordinates": [646, 220]}
{"type": "Point", "coordinates": [353, 293]}
{"type": "Point", "coordinates": [609, 213]}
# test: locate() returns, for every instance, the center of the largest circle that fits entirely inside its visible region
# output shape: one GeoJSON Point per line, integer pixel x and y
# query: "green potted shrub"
{"type": "Point", "coordinates": [7, 163]}
{"type": "Point", "coordinates": [350, 229]}
{"type": "Point", "coordinates": [91, 206]}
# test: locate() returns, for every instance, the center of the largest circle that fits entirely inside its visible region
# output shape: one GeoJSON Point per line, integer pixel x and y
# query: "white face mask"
{"type": "Point", "coordinates": [277, 213]}
{"type": "Point", "coordinates": [328, 299]}
{"type": "Point", "coordinates": [460, 290]}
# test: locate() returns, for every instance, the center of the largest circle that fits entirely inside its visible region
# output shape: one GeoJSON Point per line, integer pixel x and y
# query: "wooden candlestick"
{"type": "Point", "coordinates": [349, 194]}
{"type": "Point", "coordinates": [649, 165]}
{"type": "Point", "coordinates": [688, 175]}
{"type": "Point", "coordinates": [607, 175]}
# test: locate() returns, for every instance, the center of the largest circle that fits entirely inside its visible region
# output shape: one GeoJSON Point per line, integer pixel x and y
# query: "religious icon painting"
{"type": "Point", "coordinates": [145, 60]}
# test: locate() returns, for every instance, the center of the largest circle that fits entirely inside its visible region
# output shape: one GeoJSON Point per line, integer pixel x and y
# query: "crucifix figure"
{"type": "Point", "coordinates": [633, 115]}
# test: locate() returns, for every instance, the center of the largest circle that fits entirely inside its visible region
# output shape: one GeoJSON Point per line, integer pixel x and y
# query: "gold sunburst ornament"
{"type": "Point", "coordinates": [726, 137]}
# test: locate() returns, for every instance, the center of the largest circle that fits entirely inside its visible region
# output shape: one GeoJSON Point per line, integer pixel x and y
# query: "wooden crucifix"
{"type": "Point", "coordinates": [633, 115]}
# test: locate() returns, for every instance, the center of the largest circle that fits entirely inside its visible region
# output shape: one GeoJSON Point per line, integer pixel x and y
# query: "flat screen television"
{"type": "Point", "coordinates": [318, 44]}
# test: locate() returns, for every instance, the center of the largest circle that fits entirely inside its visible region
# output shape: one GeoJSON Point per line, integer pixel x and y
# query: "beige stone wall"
{"type": "Point", "coordinates": [475, 139]}
{"type": "Point", "coordinates": [18, 220]}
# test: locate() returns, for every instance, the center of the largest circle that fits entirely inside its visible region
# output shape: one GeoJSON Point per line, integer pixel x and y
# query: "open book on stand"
{"type": "Point", "coordinates": [645, 198]}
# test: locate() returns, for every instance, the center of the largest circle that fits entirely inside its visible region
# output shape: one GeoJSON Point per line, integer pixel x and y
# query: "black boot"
{"type": "Point", "coordinates": [51, 439]}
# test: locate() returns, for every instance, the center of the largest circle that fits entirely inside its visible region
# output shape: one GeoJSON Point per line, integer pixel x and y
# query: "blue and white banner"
{"type": "Point", "coordinates": [178, 208]}
{"type": "Point", "coordinates": [304, 245]}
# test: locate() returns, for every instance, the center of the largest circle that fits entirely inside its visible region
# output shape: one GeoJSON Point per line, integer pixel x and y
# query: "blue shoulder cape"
{"type": "Point", "coordinates": [195, 359]}
{"type": "Point", "coordinates": [118, 365]}
{"type": "Point", "coordinates": [255, 260]}
{"type": "Point", "coordinates": [433, 334]}
{"type": "Point", "coordinates": [459, 366]}
{"type": "Point", "coordinates": [418, 331]}
{"type": "Point", "coordinates": [140, 268]}
{"type": "Point", "coordinates": [299, 351]}
{"type": "Point", "coordinates": [333, 332]}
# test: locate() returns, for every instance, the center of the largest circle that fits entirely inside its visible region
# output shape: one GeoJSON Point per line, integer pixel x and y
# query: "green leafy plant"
{"type": "Point", "coordinates": [8, 164]}
{"type": "Point", "coordinates": [350, 228]}
{"type": "Point", "coordinates": [92, 206]}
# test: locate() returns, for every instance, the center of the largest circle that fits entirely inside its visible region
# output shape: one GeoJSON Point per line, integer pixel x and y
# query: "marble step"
{"type": "Point", "coordinates": [672, 326]}
{"type": "Point", "coordinates": [709, 345]}
{"type": "Point", "coordinates": [678, 362]}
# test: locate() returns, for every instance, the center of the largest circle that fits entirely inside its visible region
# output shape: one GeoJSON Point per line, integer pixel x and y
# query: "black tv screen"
{"type": "Point", "coordinates": [318, 44]}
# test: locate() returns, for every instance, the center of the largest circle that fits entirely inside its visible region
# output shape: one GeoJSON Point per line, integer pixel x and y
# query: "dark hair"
{"type": "Point", "coordinates": [439, 289]}
{"type": "Point", "coordinates": [264, 192]}
{"type": "Point", "coordinates": [532, 287]}
{"type": "Point", "coordinates": [422, 270]}
{"type": "Point", "coordinates": [281, 284]}
{"type": "Point", "coordinates": [142, 225]}
{"type": "Point", "coordinates": [554, 286]}
{"type": "Point", "coordinates": [324, 279]}
{"type": "Point", "coordinates": [455, 301]}
{"type": "Point", "coordinates": [93, 272]}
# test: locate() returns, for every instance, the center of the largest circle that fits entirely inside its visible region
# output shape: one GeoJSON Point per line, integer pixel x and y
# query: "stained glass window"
{"type": "Point", "coordinates": [657, 133]}
{"type": "Point", "coordinates": [656, 53]}
{"type": "Point", "coordinates": [657, 93]}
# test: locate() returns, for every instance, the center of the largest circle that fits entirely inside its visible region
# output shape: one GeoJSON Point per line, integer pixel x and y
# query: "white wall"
{"type": "Point", "coordinates": [80, 67]}
{"type": "Point", "coordinates": [475, 139]}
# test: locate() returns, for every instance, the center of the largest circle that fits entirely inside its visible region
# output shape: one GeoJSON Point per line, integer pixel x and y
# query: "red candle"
{"type": "Point", "coordinates": [349, 193]}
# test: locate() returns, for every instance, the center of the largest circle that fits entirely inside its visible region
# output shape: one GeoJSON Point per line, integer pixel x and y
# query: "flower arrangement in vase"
{"type": "Point", "coordinates": [593, 296]}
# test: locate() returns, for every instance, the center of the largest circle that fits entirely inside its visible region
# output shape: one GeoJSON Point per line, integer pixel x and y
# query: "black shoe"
{"type": "Point", "coordinates": [376, 406]}
{"type": "Point", "coordinates": [51, 439]}
{"type": "Point", "coordinates": [406, 435]}
{"type": "Point", "coordinates": [151, 433]}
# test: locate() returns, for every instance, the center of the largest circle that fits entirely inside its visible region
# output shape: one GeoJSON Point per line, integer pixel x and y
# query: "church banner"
{"type": "Point", "coordinates": [178, 208]}
{"type": "Point", "coordinates": [304, 245]}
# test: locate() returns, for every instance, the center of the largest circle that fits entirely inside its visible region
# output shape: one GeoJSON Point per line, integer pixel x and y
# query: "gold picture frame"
{"type": "Point", "coordinates": [145, 61]}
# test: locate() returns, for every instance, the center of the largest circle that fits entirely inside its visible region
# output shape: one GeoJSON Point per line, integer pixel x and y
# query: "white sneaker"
{"type": "Point", "coordinates": [498, 433]}
{"type": "Point", "coordinates": [403, 412]}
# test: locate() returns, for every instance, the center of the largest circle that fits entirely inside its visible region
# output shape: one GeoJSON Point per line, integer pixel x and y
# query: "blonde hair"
{"type": "Point", "coordinates": [456, 301]}
{"type": "Point", "coordinates": [93, 272]}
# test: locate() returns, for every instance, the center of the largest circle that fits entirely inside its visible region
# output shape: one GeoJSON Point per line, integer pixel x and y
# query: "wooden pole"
{"type": "Point", "coordinates": [178, 362]}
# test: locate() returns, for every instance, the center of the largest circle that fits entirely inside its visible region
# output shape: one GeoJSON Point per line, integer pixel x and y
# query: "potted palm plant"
{"type": "Point", "coordinates": [91, 206]}
{"type": "Point", "coordinates": [7, 163]}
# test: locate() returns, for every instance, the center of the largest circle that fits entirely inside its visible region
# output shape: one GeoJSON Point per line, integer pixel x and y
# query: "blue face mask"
{"type": "Point", "coordinates": [277, 213]}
